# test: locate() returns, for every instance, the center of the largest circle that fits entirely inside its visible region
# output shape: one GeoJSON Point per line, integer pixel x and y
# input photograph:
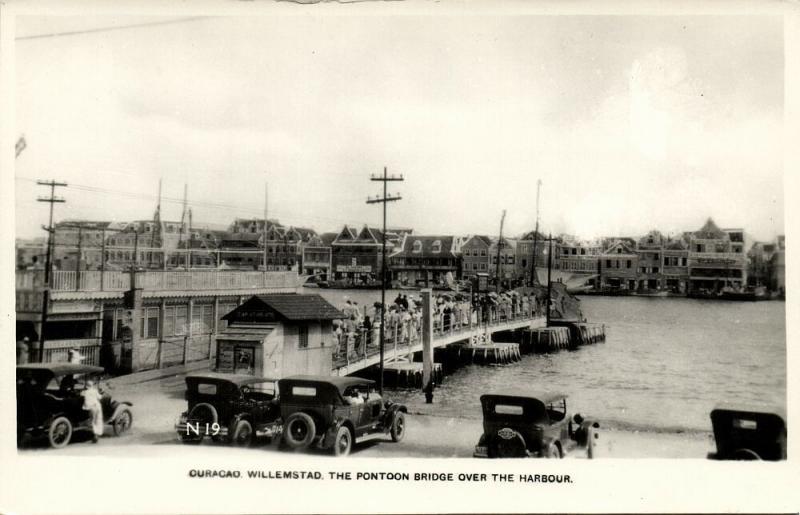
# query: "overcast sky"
{"type": "Point", "coordinates": [630, 122]}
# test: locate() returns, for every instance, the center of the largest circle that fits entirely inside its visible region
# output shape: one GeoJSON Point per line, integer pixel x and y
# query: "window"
{"type": "Point", "coordinates": [583, 252]}
{"type": "Point", "coordinates": [152, 322]}
{"type": "Point", "coordinates": [683, 261]}
{"type": "Point", "coordinates": [608, 263]}
{"type": "Point", "coordinates": [628, 263]}
{"type": "Point", "coordinates": [305, 391]}
{"type": "Point", "coordinates": [202, 318]}
{"type": "Point", "coordinates": [207, 389]}
{"type": "Point", "coordinates": [510, 260]}
{"type": "Point", "coordinates": [436, 247]}
{"type": "Point", "coordinates": [483, 252]}
{"type": "Point", "coordinates": [417, 248]}
{"type": "Point", "coordinates": [619, 250]}
{"type": "Point", "coordinates": [303, 337]}
{"type": "Point", "coordinates": [483, 266]}
{"type": "Point", "coordinates": [574, 252]}
{"type": "Point", "coordinates": [180, 320]}
{"type": "Point", "coordinates": [507, 409]}
{"type": "Point", "coordinates": [655, 269]}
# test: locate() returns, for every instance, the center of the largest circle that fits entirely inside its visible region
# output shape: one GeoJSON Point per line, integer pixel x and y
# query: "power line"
{"type": "Point", "coordinates": [111, 28]}
{"type": "Point", "coordinates": [211, 205]}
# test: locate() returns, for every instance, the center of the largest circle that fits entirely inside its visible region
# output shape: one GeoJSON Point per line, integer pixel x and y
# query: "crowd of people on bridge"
{"type": "Point", "coordinates": [358, 334]}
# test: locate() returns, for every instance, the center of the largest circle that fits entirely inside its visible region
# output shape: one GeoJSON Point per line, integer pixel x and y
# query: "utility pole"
{"type": "Point", "coordinates": [191, 241]}
{"type": "Point", "coordinates": [534, 277]}
{"type": "Point", "coordinates": [156, 229]}
{"type": "Point", "coordinates": [266, 205]}
{"type": "Point", "coordinates": [383, 200]}
{"type": "Point", "coordinates": [183, 222]}
{"type": "Point", "coordinates": [549, 267]}
{"type": "Point", "coordinates": [499, 246]}
{"type": "Point", "coordinates": [52, 199]}
{"type": "Point", "coordinates": [78, 261]}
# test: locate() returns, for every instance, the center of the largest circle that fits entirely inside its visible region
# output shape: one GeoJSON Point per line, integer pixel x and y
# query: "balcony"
{"type": "Point", "coordinates": [168, 280]}
{"type": "Point", "coordinates": [716, 259]}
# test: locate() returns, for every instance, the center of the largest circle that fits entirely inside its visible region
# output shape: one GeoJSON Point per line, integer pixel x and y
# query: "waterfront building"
{"type": "Point", "coordinates": [759, 259]}
{"type": "Point", "coordinates": [619, 265]}
{"type": "Point", "coordinates": [136, 320]}
{"type": "Point", "coordinates": [777, 268]}
{"type": "Point", "coordinates": [144, 243]}
{"type": "Point", "coordinates": [650, 249]}
{"type": "Point", "coordinates": [424, 261]}
{"type": "Point", "coordinates": [78, 244]}
{"type": "Point", "coordinates": [356, 255]}
{"type": "Point", "coordinates": [675, 264]}
{"type": "Point", "coordinates": [524, 260]}
{"type": "Point", "coordinates": [30, 253]}
{"type": "Point", "coordinates": [201, 250]}
{"type": "Point", "coordinates": [578, 257]}
{"type": "Point", "coordinates": [507, 257]}
{"type": "Point", "coordinates": [716, 258]}
{"type": "Point", "coordinates": [316, 256]}
{"type": "Point", "coordinates": [243, 245]}
{"type": "Point", "coordinates": [475, 256]}
{"type": "Point", "coordinates": [278, 336]}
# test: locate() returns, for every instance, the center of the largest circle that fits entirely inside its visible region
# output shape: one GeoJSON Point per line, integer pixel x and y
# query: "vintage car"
{"type": "Point", "coordinates": [49, 403]}
{"type": "Point", "coordinates": [233, 408]}
{"type": "Point", "coordinates": [748, 433]}
{"type": "Point", "coordinates": [331, 412]}
{"type": "Point", "coordinates": [519, 425]}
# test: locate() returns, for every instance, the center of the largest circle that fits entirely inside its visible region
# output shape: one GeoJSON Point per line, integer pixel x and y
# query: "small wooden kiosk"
{"type": "Point", "coordinates": [278, 336]}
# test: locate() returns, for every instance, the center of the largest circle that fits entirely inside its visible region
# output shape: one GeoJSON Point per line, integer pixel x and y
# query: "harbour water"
{"type": "Point", "coordinates": [665, 364]}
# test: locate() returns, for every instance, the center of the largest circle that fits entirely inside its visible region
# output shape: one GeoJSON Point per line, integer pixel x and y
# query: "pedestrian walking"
{"type": "Point", "coordinates": [23, 351]}
{"type": "Point", "coordinates": [91, 403]}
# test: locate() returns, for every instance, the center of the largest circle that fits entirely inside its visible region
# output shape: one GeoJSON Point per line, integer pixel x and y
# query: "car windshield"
{"type": "Point", "coordinates": [266, 388]}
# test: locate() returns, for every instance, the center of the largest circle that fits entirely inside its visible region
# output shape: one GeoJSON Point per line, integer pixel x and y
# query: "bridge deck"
{"type": "Point", "coordinates": [399, 352]}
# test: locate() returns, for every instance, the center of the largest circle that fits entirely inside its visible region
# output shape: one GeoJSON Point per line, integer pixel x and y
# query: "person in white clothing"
{"type": "Point", "coordinates": [91, 403]}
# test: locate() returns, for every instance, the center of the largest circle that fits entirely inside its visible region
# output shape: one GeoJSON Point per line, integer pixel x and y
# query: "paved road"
{"type": "Point", "coordinates": [158, 403]}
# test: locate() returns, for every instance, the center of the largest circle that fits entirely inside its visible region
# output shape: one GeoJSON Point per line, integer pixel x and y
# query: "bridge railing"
{"type": "Point", "coordinates": [354, 344]}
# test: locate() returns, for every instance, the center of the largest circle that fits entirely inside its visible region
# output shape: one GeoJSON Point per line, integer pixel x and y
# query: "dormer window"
{"type": "Point", "coordinates": [436, 247]}
{"type": "Point", "coordinates": [417, 248]}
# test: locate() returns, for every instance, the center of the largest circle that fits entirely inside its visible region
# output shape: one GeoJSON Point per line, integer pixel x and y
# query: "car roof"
{"type": "Point", "coordinates": [237, 379]}
{"type": "Point", "coordinates": [341, 383]}
{"type": "Point", "coordinates": [61, 369]}
{"type": "Point", "coordinates": [543, 397]}
{"type": "Point", "coordinates": [767, 409]}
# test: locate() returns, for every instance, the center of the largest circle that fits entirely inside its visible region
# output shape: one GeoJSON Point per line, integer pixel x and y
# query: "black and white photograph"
{"type": "Point", "coordinates": [487, 250]}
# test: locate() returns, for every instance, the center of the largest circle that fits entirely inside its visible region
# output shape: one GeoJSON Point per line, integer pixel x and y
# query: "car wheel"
{"type": "Point", "coordinates": [746, 455]}
{"type": "Point", "coordinates": [204, 413]}
{"type": "Point", "coordinates": [123, 422]}
{"type": "Point", "coordinates": [243, 434]}
{"type": "Point", "coordinates": [506, 446]}
{"type": "Point", "coordinates": [60, 432]}
{"type": "Point", "coordinates": [398, 430]}
{"type": "Point", "coordinates": [299, 430]}
{"type": "Point", "coordinates": [343, 443]}
{"type": "Point", "coordinates": [553, 451]}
